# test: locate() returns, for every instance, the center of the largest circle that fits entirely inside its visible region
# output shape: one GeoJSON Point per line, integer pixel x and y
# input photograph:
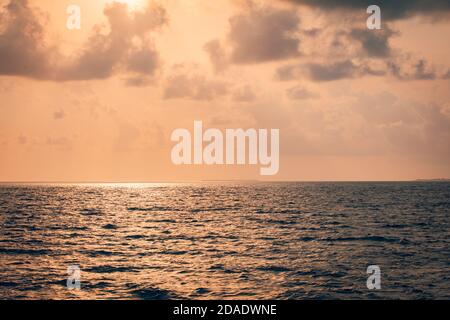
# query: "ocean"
{"type": "Point", "coordinates": [225, 240]}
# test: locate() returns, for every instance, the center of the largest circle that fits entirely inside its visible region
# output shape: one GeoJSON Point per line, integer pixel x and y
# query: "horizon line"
{"type": "Point", "coordinates": [211, 180]}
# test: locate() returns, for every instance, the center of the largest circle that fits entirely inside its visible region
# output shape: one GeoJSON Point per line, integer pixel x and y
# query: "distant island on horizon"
{"type": "Point", "coordinates": [432, 180]}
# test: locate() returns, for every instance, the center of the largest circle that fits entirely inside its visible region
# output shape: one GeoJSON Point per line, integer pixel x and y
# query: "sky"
{"type": "Point", "coordinates": [100, 103]}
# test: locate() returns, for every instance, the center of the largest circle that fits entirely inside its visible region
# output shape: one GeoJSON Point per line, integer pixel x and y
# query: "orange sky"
{"type": "Point", "coordinates": [100, 103]}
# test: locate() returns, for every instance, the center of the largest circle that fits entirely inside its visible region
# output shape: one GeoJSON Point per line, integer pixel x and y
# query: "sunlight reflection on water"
{"type": "Point", "coordinates": [225, 240]}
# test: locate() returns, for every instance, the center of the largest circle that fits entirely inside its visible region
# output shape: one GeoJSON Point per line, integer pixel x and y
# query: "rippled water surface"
{"type": "Point", "coordinates": [225, 240]}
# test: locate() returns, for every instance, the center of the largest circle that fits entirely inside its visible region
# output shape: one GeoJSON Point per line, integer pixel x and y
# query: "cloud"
{"type": "Point", "coordinates": [384, 109]}
{"type": "Point", "coordinates": [406, 126]}
{"type": "Point", "coordinates": [59, 143]}
{"type": "Point", "coordinates": [244, 94]}
{"type": "Point", "coordinates": [257, 34]}
{"type": "Point", "coordinates": [22, 139]}
{"type": "Point", "coordinates": [400, 67]}
{"type": "Point", "coordinates": [103, 54]}
{"type": "Point", "coordinates": [390, 10]}
{"type": "Point", "coordinates": [321, 72]}
{"type": "Point", "coordinates": [262, 34]}
{"type": "Point", "coordinates": [364, 124]}
{"type": "Point", "coordinates": [421, 71]}
{"type": "Point", "coordinates": [187, 83]}
{"type": "Point", "coordinates": [446, 75]}
{"type": "Point", "coordinates": [217, 55]}
{"type": "Point", "coordinates": [288, 72]}
{"type": "Point", "coordinates": [143, 60]}
{"type": "Point", "coordinates": [403, 69]}
{"type": "Point", "coordinates": [138, 81]}
{"type": "Point", "coordinates": [300, 93]}
{"type": "Point", "coordinates": [429, 136]}
{"type": "Point", "coordinates": [58, 115]}
{"type": "Point", "coordinates": [22, 42]}
{"type": "Point", "coordinates": [375, 43]}
{"type": "Point", "coordinates": [125, 47]}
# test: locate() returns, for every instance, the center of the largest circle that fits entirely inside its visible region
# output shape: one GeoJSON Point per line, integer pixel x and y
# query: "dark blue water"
{"type": "Point", "coordinates": [225, 240]}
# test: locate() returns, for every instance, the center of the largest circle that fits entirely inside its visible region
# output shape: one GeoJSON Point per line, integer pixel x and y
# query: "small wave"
{"type": "Point", "coordinates": [162, 220]}
{"type": "Point", "coordinates": [8, 284]}
{"type": "Point", "coordinates": [366, 238]}
{"type": "Point", "coordinates": [153, 294]}
{"type": "Point", "coordinates": [262, 211]}
{"type": "Point", "coordinates": [274, 269]}
{"type": "Point", "coordinates": [109, 269]}
{"type": "Point", "coordinates": [328, 274]}
{"type": "Point", "coordinates": [62, 282]}
{"type": "Point", "coordinates": [201, 291]}
{"type": "Point", "coordinates": [156, 208]}
{"type": "Point", "coordinates": [289, 211]}
{"type": "Point", "coordinates": [90, 212]}
{"type": "Point", "coordinates": [98, 285]}
{"type": "Point", "coordinates": [282, 222]}
{"type": "Point", "coordinates": [267, 238]}
{"type": "Point", "coordinates": [96, 253]}
{"type": "Point", "coordinates": [395, 226]}
{"type": "Point", "coordinates": [32, 252]}
{"type": "Point", "coordinates": [195, 210]}
{"type": "Point", "coordinates": [34, 228]}
{"type": "Point", "coordinates": [217, 267]}
{"type": "Point", "coordinates": [174, 252]}
{"type": "Point", "coordinates": [110, 226]}
{"type": "Point", "coordinates": [14, 211]}
{"type": "Point", "coordinates": [221, 267]}
{"type": "Point", "coordinates": [305, 273]}
{"type": "Point", "coordinates": [306, 239]}
{"type": "Point", "coordinates": [135, 236]}
{"type": "Point", "coordinates": [33, 241]}
{"type": "Point", "coordinates": [84, 228]}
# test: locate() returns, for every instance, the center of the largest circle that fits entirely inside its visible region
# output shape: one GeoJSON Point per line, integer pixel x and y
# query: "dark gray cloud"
{"type": "Point", "coordinates": [422, 72]}
{"type": "Point", "coordinates": [390, 9]}
{"type": "Point", "coordinates": [375, 43]}
{"type": "Point", "coordinates": [23, 49]}
{"type": "Point", "coordinates": [257, 34]}
{"type": "Point", "coordinates": [263, 34]}
{"type": "Point", "coordinates": [399, 67]}
{"type": "Point", "coordinates": [318, 72]}
{"type": "Point", "coordinates": [145, 60]}
{"type": "Point", "coordinates": [333, 71]}
{"type": "Point", "coordinates": [404, 70]}
{"type": "Point", "coordinates": [288, 72]}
